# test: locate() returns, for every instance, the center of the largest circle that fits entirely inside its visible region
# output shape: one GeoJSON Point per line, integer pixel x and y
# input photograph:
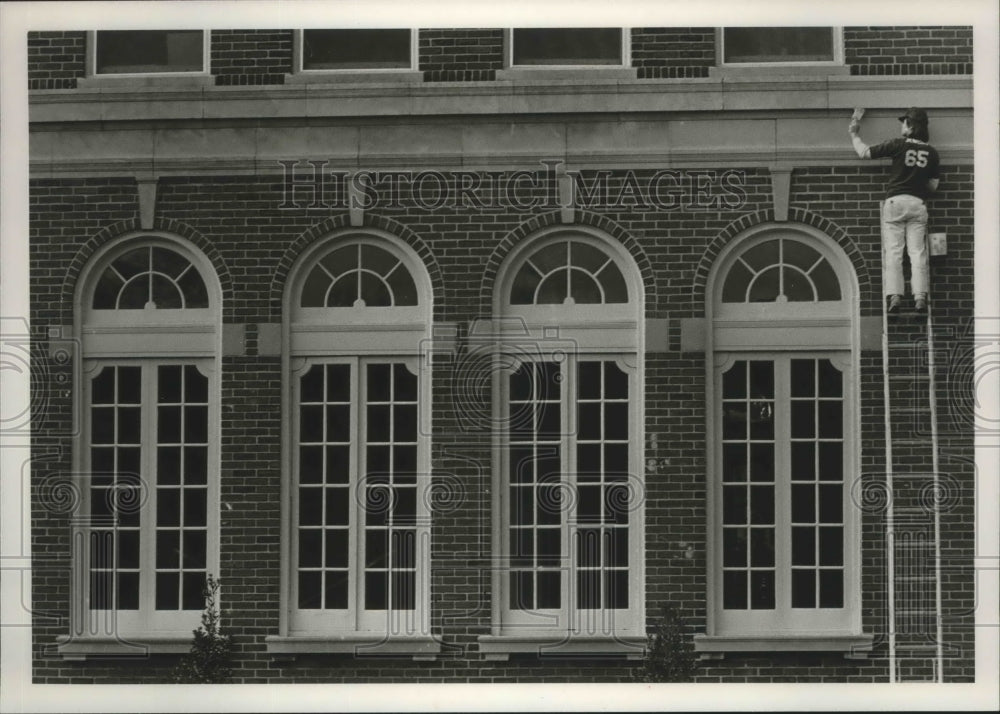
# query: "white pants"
{"type": "Point", "coordinates": [904, 223]}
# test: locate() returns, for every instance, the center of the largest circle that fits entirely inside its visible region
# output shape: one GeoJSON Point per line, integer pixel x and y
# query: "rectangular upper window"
{"type": "Point", "coordinates": [148, 51]}
{"type": "Point", "coordinates": [780, 45]}
{"type": "Point", "coordinates": [567, 47]}
{"type": "Point", "coordinates": [382, 49]}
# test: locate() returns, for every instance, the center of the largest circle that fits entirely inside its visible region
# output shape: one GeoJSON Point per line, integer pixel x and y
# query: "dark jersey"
{"type": "Point", "coordinates": [913, 164]}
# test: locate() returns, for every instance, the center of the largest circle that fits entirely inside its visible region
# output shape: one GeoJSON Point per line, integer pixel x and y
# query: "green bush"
{"type": "Point", "coordinates": [211, 657]}
{"type": "Point", "coordinates": [669, 652]}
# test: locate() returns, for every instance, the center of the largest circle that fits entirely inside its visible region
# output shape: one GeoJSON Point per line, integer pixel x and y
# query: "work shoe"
{"type": "Point", "coordinates": [920, 303]}
{"type": "Point", "coordinates": [894, 304]}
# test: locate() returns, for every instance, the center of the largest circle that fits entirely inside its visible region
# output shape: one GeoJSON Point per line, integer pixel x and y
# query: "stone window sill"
{"type": "Point", "coordinates": [717, 646]}
{"type": "Point", "coordinates": [402, 76]}
{"type": "Point", "coordinates": [500, 647]}
{"type": "Point", "coordinates": [764, 73]}
{"type": "Point", "coordinates": [137, 81]}
{"type": "Point", "coordinates": [359, 645]}
{"type": "Point", "coordinates": [82, 648]}
{"type": "Point", "coordinates": [597, 73]}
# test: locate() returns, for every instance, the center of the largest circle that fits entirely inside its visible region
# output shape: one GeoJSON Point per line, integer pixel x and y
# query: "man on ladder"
{"type": "Point", "coordinates": [913, 177]}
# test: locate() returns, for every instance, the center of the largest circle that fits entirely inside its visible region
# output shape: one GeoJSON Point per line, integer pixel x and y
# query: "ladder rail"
{"type": "Point", "coordinates": [937, 498]}
{"type": "Point", "coordinates": [890, 534]}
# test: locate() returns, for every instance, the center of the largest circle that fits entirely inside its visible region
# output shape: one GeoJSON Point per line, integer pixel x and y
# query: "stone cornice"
{"type": "Point", "coordinates": [146, 102]}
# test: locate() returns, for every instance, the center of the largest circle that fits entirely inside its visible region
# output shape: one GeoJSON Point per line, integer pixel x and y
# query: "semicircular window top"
{"type": "Point", "coordinates": [359, 275]}
{"type": "Point", "coordinates": [568, 272]}
{"type": "Point", "coordinates": [150, 277]}
{"type": "Point", "coordinates": [781, 270]}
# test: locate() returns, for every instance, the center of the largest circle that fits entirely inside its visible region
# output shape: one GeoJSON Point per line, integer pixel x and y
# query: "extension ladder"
{"type": "Point", "coordinates": [912, 517]}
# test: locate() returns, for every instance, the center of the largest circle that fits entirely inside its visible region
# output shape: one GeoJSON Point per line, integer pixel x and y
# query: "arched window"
{"type": "Point", "coordinates": [358, 309]}
{"type": "Point", "coordinates": [147, 319]}
{"type": "Point", "coordinates": [568, 534]}
{"type": "Point", "coordinates": [783, 432]}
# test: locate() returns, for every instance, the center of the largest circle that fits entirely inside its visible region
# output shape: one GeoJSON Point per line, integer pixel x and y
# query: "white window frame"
{"type": "Point", "coordinates": [147, 619]}
{"type": "Point", "coordinates": [356, 336]}
{"type": "Point", "coordinates": [298, 49]}
{"type": "Point", "coordinates": [625, 61]}
{"type": "Point", "coordinates": [794, 329]}
{"type": "Point", "coordinates": [91, 59]}
{"type": "Point", "coordinates": [570, 333]}
{"type": "Point", "coordinates": [838, 53]}
{"type": "Point", "coordinates": [784, 619]}
{"type": "Point", "coordinates": [148, 338]}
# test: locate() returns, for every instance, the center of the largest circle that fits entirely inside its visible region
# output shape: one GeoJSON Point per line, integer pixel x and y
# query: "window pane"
{"type": "Point", "coordinates": [761, 547]}
{"type": "Point", "coordinates": [336, 590]}
{"type": "Point", "coordinates": [734, 462]}
{"type": "Point", "coordinates": [803, 588]}
{"type": "Point", "coordinates": [310, 589]}
{"type": "Point", "coordinates": [766, 286]}
{"type": "Point", "coordinates": [804, 546]}
{"type": "Point", "coordinates": [803, 378]}
{"type": "Point", "coordinates": [831, 588]}
{"type": "Point", "coordinates": [584, 289]}
{"type": "Point", "coordinates": [803, 461]}
{"type": "Point", "coordinates": [735, 287]}
{"type": "Point", "coordinates": [374, 291]}
{"type": "Point", "coordinates": [797, 287]}
{"type": "Point", "coordinates": [165, 294]}
{"type": "Point", "coordinates": [522, 290]}
{"type": "Point", "coordinates": [553, 290]}
{"type": "Point", "coordinates": [567, 46]}
{"type": "Point", "coordinates": [355, 49]}
{"type": "Point", "coordinates": [826, 282]}
{"type": "Point", "coordinates": [778, 44]}
{"type": "Point", "coordinates": [142, 51]}
{"type": "Point", "coordinates": [734, 590]}
{"type": "Point", "coordinates": [831, 461]}
{"type": "Point", "coordinates": [830, 379]}
{"type": "Point", "coordinates": [734, 547]}
{"type": "Point", "coordinates": [762, 589]}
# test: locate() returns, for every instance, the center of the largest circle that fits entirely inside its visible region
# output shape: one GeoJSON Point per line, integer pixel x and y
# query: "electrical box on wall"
{"type": "Point", "coordinates": [938, 244]}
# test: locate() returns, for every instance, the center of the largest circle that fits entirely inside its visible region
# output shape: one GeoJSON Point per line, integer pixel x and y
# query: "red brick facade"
{"type": "Point", "coordinates": [246, 228]}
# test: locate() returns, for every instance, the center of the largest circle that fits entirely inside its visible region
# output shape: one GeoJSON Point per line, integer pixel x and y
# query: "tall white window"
{"type": "Point", "coordinates": [148, 310]}
{"type": "Point", "coordinates": [359, 524]}
{"type": "Point", "coordinates": [785, 556]}
{"type": "Point", "coordinates": [569, 433]}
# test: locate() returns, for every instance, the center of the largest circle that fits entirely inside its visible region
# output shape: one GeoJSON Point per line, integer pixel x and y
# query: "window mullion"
{"type": "Point", "coordinates": [782, 472]}
{"type": "Point", "coordinates": [569, 425]}
{"type": "Point", "coordinates": [147, 530]}
{"type": "Point", "coordinates": [356, 532]}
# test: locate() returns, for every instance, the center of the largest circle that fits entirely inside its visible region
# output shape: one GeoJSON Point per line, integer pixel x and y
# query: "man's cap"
{"type": "Point", "coordinates": [914, 115]}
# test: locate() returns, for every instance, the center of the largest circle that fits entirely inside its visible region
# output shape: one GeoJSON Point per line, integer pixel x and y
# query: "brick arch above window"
{"type": "Point", "coordinates": [584, 219]}
{"type": "Point", "coordinates": [129, 230]}
{"type": "Point", "coordinates": [797, 217]}
{"type": "Point", "coordinates": [339, 225]}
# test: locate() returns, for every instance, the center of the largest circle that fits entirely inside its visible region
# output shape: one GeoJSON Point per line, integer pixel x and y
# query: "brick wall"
{"type": "Point", "coordinates": [460, 55]}
{"type": "Point", "coordinates": [908, 50]}
{"type": "Point", "coordinates": [672, 52]}
{"type": "Point", "coordinates": [238, 221]}
{"type": "Point", "coordinates": [251, 56]}
{"type": "Point", "coordinates": [259, 57]}
{"type": "Point", "coordinates": [55, 59]}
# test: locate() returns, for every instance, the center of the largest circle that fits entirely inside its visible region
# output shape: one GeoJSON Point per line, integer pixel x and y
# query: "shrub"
{"type": "Point", "coordinates": [210, 659]}
{"type": "Point", "coordinates": [669, 652]}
